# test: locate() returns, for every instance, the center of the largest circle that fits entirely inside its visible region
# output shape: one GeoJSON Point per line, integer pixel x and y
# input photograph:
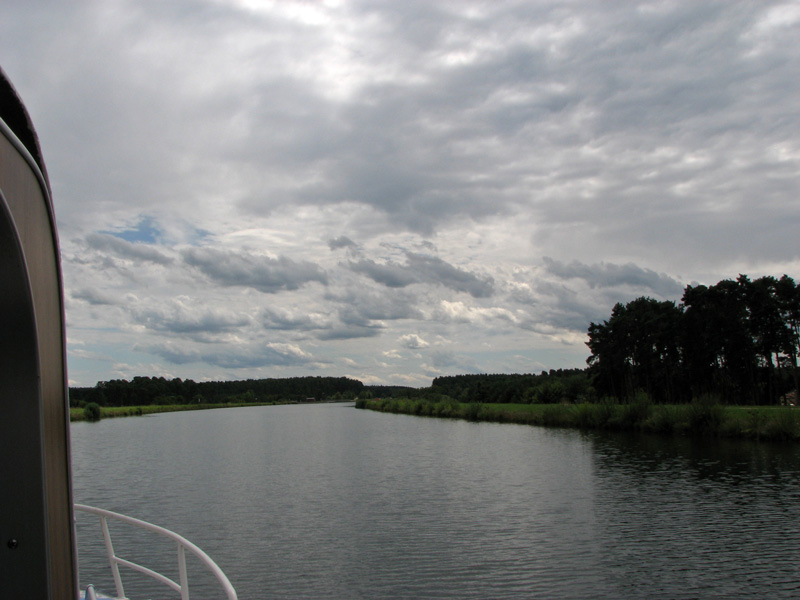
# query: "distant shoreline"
{"type": "Point", "coordinates": [110, 412]}
{"type": "Point", "coordinates": [759, 423]}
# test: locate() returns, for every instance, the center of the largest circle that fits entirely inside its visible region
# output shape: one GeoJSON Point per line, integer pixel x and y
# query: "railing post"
{"type": "Point", "coordinates": [184, 576]}
{"type": "Point", "coordinates": [112, 558]}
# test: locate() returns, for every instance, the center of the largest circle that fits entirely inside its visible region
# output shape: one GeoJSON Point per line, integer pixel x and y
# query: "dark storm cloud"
{"type": "Point", "coordinates": [95, 297]}
{"type": "Point", "coordinates": [425, 153]}
{"type": "Point", "coordinates": [434, 270]}
{"type": "Point", "coordinates": [421, 268]}
{"type": "Point", "coordinates": [611, 275]}
{"type": "Point", "coordinates": [572, 295]}
{"type": "Point", "coordinates": [559, 306]}
{"type": "Point", "coordinates": [558, 108]}
{"type": "Point", "coordinates": [389, 274]}
{"type": "Point", "coordinates": [342, 242]}
{"type": "Point", "coordinates": [350, 332]}
{"type": "Point", "coordinates": [268, 275]}
{"type": "Point", "coordinates": [136, 252]}
{"type": "Point", "coordinates": [481, 109]}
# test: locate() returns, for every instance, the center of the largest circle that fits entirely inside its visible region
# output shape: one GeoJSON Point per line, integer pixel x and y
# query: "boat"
{"type": "Point", "coordinates": [37, 511]}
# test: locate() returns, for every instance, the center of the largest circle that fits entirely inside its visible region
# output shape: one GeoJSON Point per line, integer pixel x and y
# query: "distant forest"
{"type": "Point", "coordinates": [571, 385]}
{"type": "Point", "coordinates": [736, 342]}
{"type": "Point", "coordinates": [143, 391]}
{"type": "Point", "coordinates": [561, 385]}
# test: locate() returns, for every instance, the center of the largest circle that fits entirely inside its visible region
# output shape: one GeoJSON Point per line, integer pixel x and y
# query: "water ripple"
{"type": "Point", "coordinates": [331, 502]}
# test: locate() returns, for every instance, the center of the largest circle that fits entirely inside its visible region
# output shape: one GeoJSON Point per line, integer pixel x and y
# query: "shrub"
{"type": "Point", "coordinates": [634, 414]}
{"type": "Point", "coordinates": [446, 407]}
{"type": "Point", "coordinates": [472, 410]}
{"type": "Point", "coordinates": [783, 425]}
{"type": "Point", "coordinates": [550, 392]}
{"type": "Point", "coordinates": [556, 415]}
{"type": "Point", "coordinates": [584, 415]}
{"type": "Point", "coordinates": [756, 422]}
{"type": "Point", "coordinates": [665, 419]}
{"type": "Point", "coordinates": [706, 414]}
{"type": "Point", "coordinates": [91, 412]}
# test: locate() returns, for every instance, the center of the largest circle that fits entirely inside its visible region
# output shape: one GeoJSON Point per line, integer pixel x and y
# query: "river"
{"type": "Point", "coordinates": [327, 501]}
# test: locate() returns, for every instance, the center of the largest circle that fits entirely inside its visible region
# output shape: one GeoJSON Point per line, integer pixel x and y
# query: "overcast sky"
{"type": "Point", "coordinates": [396, 190]}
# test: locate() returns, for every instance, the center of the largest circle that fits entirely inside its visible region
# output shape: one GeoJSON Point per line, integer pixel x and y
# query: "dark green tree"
{"type": "Point", "coordinates": [769, 331]}
{"type": "Point", "coordinates": [719, 351]}
{"type": "Point", "coordinates": [788, 294]}
{"type": "Point", "coordinates": [638, 349]}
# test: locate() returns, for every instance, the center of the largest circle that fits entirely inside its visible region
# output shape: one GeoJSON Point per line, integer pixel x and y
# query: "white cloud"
{"type": "Point", "coordinates": [462, 313]}
{"type": "Point", "coordinates": [413, 341]}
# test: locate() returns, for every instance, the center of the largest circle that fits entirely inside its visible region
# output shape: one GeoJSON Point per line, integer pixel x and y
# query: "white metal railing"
{"type": "Point", "coordinates": [90, 593]}
{"type": "Point", "coordinates": [182, 543]}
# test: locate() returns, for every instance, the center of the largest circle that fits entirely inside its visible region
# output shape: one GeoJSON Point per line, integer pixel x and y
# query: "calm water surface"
{"type": "Point", "coordinates": [326, 501]}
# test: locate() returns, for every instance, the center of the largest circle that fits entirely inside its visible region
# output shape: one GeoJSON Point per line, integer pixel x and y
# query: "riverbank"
{"type": "Point", "coordinates": [706, 419]}
{"type": "Point", "coordinates": [107, 412]}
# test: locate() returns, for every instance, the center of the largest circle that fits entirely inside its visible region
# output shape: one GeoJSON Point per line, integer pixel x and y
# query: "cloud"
{"type": "Point", "coordinates": [350, 331]}
{"type": "Point", "coordinates": [610, 275]}
{"type": "Point", "coordinates": [557, 307]}
{"type": "Point", "coordinates": [433, 269]}
{"type": "Point", "coordinates": [293, 320]}
{"type": "Point", "coordinates": [561, 299]}
{"type": "Point", "coordinates": [268, 275]}
{"type": "Point", "coordinates": [136, 252]}
{"type": "Point", "coordinates": [342, 242]}
{"type": "Point", "coordinates": [459, 312]}
{"type": "Point", "coordinates": [361, 312]}
{"type": "Point", "coordinates": [413, 341]}
{"type": "Point", "coordinates": [420, 268]}
{"type": "Point", "coordinates": [185, 316]}
{"type": "Point", "coordinates": [251, 356]}
{"type": "Point", "coordinates": [95, 297]}
{"type": "Point", "coordinates": [416, 160]}
{"type": "Point", "coordinates": [390, 275]}
{"type": "Point", "coordinates": [363, 305]}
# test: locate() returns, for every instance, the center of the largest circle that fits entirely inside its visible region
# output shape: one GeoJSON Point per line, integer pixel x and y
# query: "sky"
{"type": "Point", "coordinates": [394, 191]}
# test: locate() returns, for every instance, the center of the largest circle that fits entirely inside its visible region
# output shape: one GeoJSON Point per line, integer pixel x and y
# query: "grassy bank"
{"type": "Point", "coordinates": [699, 418]}
{"type": "Point", "coordinates": [106, 412]}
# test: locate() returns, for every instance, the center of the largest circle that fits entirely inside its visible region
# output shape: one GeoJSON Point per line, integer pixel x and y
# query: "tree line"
{"type": "Point", "coordinates": [548, 387]}
{"type": "Point", "coordinates": [144, 391]}
{"type": "Point", "coordinates": [736, 341]}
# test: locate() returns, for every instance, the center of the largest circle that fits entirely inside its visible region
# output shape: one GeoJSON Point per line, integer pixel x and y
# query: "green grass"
{"type": "Point", "coordinates": [107, 412]}
{"type": "Point", "coordinates": [701, 418]}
